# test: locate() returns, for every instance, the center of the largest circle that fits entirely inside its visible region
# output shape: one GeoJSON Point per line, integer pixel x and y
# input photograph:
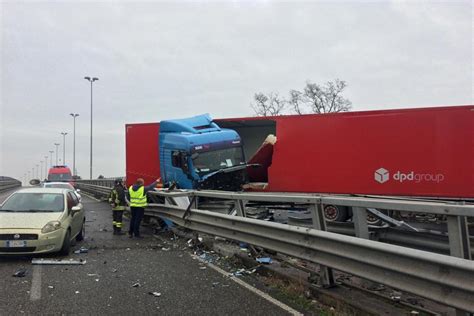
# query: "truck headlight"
{"type": "Point", "coordinates": [51, 227]}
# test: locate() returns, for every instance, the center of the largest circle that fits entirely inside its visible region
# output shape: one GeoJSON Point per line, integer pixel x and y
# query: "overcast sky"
{"type": "Point", "coordinates": [159, 60]}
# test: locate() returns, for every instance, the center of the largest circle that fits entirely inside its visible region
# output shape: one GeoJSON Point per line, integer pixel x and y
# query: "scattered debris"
{"type": "Point", "coordinates": [58, 262]}
{"type": "Point", "coordinates": [114, 270]}
{"type": "Point", "coordinates": [20, 273]}
{"type": "Point", "coordinates": [50, 287]}
{"type": "Point", "coordinates": [156, 294]}
{"type": "Point", "coordinates": [77, 292]}
{"type": "Point", "coordinates": [165, 249]}
{"type": "Point", "coordinates": [266, 260]}
{"type": "Point", "coordinates": [202, 268]}
{"type": "Point", "coordinates": [82, 250]}
{"type": "Point", "coordinates": [92, 274]}
{"type": "Point", "coordinates": [136, 285]}
{"type": "Point", "coordinates": [215, 283]}
{"type": "Point", "coordinates": [97, 280]}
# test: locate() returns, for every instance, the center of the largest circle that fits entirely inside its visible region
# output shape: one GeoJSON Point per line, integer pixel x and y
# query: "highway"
{"type": "Point", "coordinates": [104, 285]}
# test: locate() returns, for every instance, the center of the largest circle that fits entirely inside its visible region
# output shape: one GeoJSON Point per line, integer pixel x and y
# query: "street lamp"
{"type": "Point", "coordinates": [64, 147]}
{"type": "Point", "coordinates": [45, 167]}
{"type": "Point", "coordinates": [56, 144]}
{"type": "Point", "coordinates": [74, 115]}
{"type": "Point", "coordinates": [51, 155]}
{"type": "Point", "coordinates": [91, 80]}
{"type": "Point", "coordinates": [41, 170]}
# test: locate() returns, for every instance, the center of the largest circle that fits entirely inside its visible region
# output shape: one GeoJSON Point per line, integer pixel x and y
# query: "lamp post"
{"type": "Point", "coordinates": [64, 147]}
{"type": "Point", "coordinates": [91, 80]}
{"type": "Point", "coordinates": [37, 173]}
{"type": "Point", "coordinates": [74, 115]}
{"type": "Point", "coordinates": [51, 155]}
{"type": "Point", "coordinates": [56, 144]}
{"type": "Point", "coordinates": [41, 170]}
{"type": "Point", "coordinates": [33, 173]}
{"type": "Point", "coordinates": [45, 167]}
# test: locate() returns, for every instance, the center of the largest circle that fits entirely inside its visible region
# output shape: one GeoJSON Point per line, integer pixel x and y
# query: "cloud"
{"type": "Point", "coordinates": [170, 60]}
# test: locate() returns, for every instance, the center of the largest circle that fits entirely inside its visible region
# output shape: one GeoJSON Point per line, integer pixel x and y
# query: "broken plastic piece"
{"type": "Point", "coordinates": [136, 285]}
{"type": "Point", "coordinates": [20, 273]}
{"type": "Point", "coordinates": [266, 260]}
{"type": "Point", "coordinates": [156, 294]}
{"type": "Point", "coordinates": [58, 262]}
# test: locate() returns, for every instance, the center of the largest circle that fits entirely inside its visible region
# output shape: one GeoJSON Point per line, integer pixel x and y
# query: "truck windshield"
{"type": "Point", "coordinates": [211, 161]}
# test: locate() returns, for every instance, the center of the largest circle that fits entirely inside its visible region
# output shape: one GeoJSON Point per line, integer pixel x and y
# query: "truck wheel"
{"type": "Point", "coordinates": [375, 221]}
{"type": "Point", "coordinates": [336, 213]}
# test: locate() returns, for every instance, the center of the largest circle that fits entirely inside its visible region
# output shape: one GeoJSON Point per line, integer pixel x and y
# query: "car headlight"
{"type": "Point", "coordinates": [51, 227]}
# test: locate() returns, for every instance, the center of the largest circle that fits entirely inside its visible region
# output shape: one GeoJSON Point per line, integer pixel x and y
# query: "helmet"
{"type": "Point", "coordinates": [118, 182]}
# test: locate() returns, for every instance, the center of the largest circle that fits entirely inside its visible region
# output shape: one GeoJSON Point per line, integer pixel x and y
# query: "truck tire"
{"type": "Point", "coordinates": [336, 213]}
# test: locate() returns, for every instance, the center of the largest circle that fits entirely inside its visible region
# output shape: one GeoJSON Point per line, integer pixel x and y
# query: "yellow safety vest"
{"type": "Point", "coordinates": [137, 198]}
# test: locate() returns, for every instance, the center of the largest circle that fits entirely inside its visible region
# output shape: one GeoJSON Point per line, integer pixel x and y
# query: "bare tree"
{"type": "Point", "coordinates": [327, 98]}
{"type": "Point", "coordinates": [270, 105]}
{"type": "Point", "coordinates": [296, 101]}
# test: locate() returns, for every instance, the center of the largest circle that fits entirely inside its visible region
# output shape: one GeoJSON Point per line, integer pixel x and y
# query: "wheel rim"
{"type": "Point", "coordinates": [331, 212]}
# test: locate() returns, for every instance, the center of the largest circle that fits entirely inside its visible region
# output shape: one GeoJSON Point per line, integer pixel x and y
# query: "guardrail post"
{"type": "Point", "coordinates": [459, 246]}
{"type": "Point", "coordinates": [326, 275]}
{"type": "Point", "coordinates": [240, 207]}
{"type": "Point", "coordinates": [458, 233]}
{"type": "Point", "coordinates": [359, 217]}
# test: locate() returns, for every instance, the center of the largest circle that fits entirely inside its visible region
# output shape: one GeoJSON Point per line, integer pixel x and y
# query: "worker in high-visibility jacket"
{"type": "Point", "coordinates": [118, 201]}
{"type": "Point", "coordinates": [137, 193]}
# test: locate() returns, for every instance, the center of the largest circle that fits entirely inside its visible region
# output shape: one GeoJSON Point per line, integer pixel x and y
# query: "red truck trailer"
{"type": "Point", "coordinates": [424, 152]}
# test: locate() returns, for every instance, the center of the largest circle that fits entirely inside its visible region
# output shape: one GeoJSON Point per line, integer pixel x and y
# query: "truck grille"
{"type": "Point", "coordinates": [22, 237]}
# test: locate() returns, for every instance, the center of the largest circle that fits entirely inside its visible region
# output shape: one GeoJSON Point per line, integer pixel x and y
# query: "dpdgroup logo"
{"type": "Point", "coordinates": [382, 175]}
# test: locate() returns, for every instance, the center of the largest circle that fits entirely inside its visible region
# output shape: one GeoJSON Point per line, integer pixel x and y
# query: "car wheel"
{"type": "Point", "coordinates": [66, 248]}
{"type": "Point", "coordinates": [336, 213]}
{"type": "Point", "coordinates": [82, 233]}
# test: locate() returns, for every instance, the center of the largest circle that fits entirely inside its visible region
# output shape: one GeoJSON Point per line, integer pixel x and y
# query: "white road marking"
{"type": "Point", "coordinates": [35, 292]}
{"type": "Point", "coordinates": [252, 289]}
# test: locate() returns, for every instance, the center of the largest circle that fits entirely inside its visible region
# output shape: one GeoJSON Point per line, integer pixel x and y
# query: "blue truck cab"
{"type": "Point", "coordinates": [195, 153]}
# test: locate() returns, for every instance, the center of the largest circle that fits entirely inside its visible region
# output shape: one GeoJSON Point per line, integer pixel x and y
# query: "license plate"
{"type": "Point", "coordinates": [16, 243]}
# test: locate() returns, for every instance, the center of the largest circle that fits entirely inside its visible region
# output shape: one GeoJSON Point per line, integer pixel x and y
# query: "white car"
{"type": "Point", "coordinates": [63, 185]}
{"type": "Point", "coordinates": [41, 220]}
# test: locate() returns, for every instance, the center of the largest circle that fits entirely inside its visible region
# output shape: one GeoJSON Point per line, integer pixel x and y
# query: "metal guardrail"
{"type": "Point", "coordinates": [444, 279]}
{"type": "Point", "coordinates": [441, 278]}
{"type": "Point", "coordinates": [7, 183]}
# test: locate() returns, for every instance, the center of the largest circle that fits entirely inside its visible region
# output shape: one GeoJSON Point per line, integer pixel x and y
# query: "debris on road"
{"type": "Point", "coordinates": [20, 273]}
{"type": "Point", "coordinates": [50, 287]}
{"type": "Point", "coordinates": [136, 285]}
{"type": "Point", "coordinates": [58, 262]}
{"type": "Point", "coordinates": [92, 274]}
{"type": "Point", "coordinates": [202, 268]}
{"type": "Point", "coordinates": [81, 250]}
{"type": "Point", "coordinates": [266, 260]}
{"type": "Point", "coordinates": [156, 294]}
{"type": "Point", "coordinates": [165, 249]}
{"type": "Point", "coordinates": [77, 292]}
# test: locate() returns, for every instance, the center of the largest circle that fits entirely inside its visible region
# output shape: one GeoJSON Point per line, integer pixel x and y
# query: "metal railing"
{"type": "Point", "coordinates": [445, 279]}
{"type": "Point", "coordinates": [419, 272]}
{"type": "Point", "coordinates": [7, 183]}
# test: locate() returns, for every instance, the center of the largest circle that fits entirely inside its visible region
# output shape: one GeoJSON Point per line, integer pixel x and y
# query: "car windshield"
{"type": "Point", "coordinates": [210, 161]}
{"type": "Point", "coordinates": [59, 176]}
{"type": "Point", "coordinates": [59, 185]}
{"type": "Point", "coordinates": [34, 202]}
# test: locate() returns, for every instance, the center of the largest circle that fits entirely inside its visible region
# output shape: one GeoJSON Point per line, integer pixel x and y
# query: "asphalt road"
{"type": "Point", "coordinates": [104, 285]}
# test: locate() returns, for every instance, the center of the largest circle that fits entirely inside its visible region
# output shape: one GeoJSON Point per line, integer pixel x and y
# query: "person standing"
{"type": "Point", "coordinates": [137, 193]}
{"type": "Point", "coordinates": [118, 201]}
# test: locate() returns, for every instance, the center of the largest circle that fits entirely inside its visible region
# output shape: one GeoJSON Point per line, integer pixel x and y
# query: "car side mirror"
{"type": "Point", "coordinates": [75, 209]}
{"type": "Point", "coordinates": [78, 190]}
